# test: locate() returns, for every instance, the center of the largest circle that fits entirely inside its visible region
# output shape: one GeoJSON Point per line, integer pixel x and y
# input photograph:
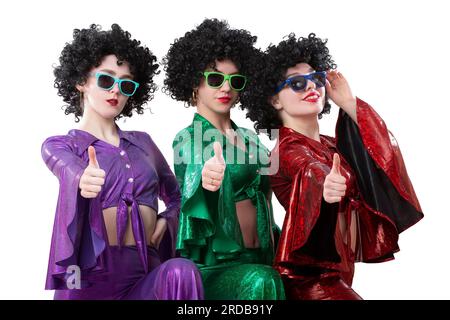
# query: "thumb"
{"type": "Point", "coordinates": [92, 157]}
{"type": "Point", "coordinates": [218, 152]}
{"type": "Point", "coordinates": [336, 164]}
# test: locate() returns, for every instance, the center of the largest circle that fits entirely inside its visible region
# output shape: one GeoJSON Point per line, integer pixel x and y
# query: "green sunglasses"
{"type": "Point", "coordinates": [216, 80]}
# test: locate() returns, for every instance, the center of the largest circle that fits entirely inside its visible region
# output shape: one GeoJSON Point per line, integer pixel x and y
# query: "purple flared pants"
{"type": "Point", "coordinates": [175, 279]}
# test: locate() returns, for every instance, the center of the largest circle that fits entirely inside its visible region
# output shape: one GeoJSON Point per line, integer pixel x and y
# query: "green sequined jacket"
{"type": "Point", "coordinates": [209, 231]}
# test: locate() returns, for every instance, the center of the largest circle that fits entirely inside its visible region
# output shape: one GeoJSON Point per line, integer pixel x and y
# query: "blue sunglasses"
{"type": "Point", "coordinates": [299, 83]}
{"type": "Point", "coordinates": [126, 86]}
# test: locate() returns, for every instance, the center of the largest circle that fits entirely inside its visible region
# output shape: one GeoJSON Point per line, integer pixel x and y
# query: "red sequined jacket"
{"type": "Point", "coordinates": [364, 226]}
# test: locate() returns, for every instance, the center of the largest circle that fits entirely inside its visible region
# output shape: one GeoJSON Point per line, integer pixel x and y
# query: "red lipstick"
{"type": "Point", "coordinates": [312, 97]}
{"type": "Point", "coordinates": [224, 100]}
{"type": "Point", "coordinates": [112, 102]}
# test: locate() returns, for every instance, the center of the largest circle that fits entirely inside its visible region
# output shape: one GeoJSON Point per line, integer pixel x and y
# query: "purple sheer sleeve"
{"type": "Point", "coordinates": [77, 234]}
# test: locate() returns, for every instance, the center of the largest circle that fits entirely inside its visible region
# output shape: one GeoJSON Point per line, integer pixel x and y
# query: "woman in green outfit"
{"type": "Point", "coordinates": [226, 221]}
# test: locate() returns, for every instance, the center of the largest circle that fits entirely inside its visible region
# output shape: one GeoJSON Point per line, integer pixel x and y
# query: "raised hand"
{"type": "Point", "coordinates": [93, 177]}
{"type": "Point", "coordinates": [339, 91]}
{"type": "Point", "coordinates": [213, 170]}
{"type": "Point", "coordinates": [334, 186]}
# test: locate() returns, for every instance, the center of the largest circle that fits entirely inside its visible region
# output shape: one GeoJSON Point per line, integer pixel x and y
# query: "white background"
{"type": "Point", "coordinates": [395, 55]}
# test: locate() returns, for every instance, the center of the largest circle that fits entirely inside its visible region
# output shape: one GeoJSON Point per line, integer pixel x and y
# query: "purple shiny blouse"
{"type": "Point", "coordinates": [136, 174]}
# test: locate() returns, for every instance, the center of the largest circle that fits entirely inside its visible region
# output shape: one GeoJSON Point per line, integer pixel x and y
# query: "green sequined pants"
{"type": "Point", "coordinates": [242, 279]}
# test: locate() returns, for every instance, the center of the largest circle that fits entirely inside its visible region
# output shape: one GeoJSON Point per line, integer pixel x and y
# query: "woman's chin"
{"type": "Point", "coordinates": [309, 112]}
{"type": "Point", "coordinates": [110, 115]}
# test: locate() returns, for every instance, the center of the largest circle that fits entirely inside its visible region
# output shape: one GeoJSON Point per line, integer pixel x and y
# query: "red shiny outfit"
{"type": "Point", "coordinates": [320, 242]}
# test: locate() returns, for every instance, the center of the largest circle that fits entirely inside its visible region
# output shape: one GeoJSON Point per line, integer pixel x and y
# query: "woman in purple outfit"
{"type": "Point", "coordinates": [109, 242]}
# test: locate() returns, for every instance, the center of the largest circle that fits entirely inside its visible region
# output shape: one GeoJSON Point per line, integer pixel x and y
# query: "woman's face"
{"type": "Point", "coordinates": [218, 100]}
{"type": "Point", "coordinates": [307, 102]}
{"type": "Point", "coordinates": [106, 103]}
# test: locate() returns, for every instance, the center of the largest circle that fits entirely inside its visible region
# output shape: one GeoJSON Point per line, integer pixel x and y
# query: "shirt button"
{"type": "Point", "coordinates": [122, 153]}
{"type": "Point", "coordinates": [127, 166]}
{"type": "Point", "coordinates": [130, 180]}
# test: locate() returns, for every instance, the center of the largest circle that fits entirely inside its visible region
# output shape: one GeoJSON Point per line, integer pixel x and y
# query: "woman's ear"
{"type": "Point", "coordinates": [194, 97]}
{"type": "Point", "coordinates": [275, 102]}
{"type": "Point", "coordinates": [80, 88]}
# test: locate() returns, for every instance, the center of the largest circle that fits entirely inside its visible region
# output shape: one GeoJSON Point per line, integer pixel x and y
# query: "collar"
{"type": "Point", "coordinates": [206, 125]}
{"type": "Point", "coordinates": [84, 139]}
{"type": "Point", "coordinates": [288, 134]}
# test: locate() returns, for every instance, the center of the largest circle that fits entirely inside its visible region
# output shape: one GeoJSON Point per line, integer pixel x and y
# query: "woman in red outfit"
{"type": "Point", "coordinates": [346, 198]}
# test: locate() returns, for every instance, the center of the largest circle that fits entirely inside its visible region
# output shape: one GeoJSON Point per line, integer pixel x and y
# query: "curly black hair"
{"type": "Point", "coordinates": [199, 49]}
{"type": "Point", "coordinates": [274, 64]}
{"type": "Point", "coordinates": [87, 50]}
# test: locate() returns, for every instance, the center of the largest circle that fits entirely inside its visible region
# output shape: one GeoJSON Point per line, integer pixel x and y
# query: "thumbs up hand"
{"type": "Point", "coordinates": [92, 178]}
{"type": "Point", "coordinates": [213, 170]}
{"type": "Point", "coordinates": [334, 186]}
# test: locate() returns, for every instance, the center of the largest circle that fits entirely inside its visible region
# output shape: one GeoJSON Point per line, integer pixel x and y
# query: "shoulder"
{"type": "Point", "coordinates": [142, 140]}
{"type": "Point", "coordinates": [60, 141]}
{"type": "Point", "coordinates": [293, 143]}
{"type": "Point", "coordinates": [247, 131]}
{"type": "Point", "coordinates": [137, 135]}
{"type": "Point", "coordinates": [183, 136]}
{"type": "Point", "coordinates": [331, 141]}
{"type": "Point", "coordinates": [251, 136]}
{"type": "Point", "coordinates": [295, 155]}
{"type": "Point", "coordinates": [59, 147]}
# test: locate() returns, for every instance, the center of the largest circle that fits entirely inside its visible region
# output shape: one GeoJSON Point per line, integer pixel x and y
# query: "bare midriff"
{"type": "Point", "coordinates": [148, 217]}
{"type": "Point", "coordinates": [246, 213]}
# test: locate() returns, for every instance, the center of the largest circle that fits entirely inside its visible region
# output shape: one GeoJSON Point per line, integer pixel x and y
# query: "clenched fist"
{"type": "Point", "coordinates": [213, 170]}
{"type": "Point", "coordinates": [334, 186]}
{"type": "Point", "coordinates": [93, 177]}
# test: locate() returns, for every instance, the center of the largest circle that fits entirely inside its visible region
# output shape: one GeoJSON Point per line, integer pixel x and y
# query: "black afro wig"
{"type": "Point", "coordinates": [199, 49]}
{"type": "Point", "coordinates": [87, 50]}
{"type": "Point", "coordinates": [274, 64]}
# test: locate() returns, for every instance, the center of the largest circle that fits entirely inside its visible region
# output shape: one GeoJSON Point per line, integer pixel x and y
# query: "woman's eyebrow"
{"type": "Point", "coordinates": [310, 69]}
{"type": "Point", "coordinates": [113, 74]}
{"type": "Point", "coordinates": [215, 69]}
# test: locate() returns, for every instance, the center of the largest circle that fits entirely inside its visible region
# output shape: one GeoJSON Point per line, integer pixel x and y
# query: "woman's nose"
{"type": "Point", "coordinates": [115, 88]}
{"type": "Point", "coordinates": [226, 86]}
{"type": "Point", "coordinates": [310, 85]}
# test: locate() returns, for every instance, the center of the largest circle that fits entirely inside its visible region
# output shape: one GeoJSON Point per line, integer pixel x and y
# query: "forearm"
{"type": "Point", "coordinates": [350, 108]}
